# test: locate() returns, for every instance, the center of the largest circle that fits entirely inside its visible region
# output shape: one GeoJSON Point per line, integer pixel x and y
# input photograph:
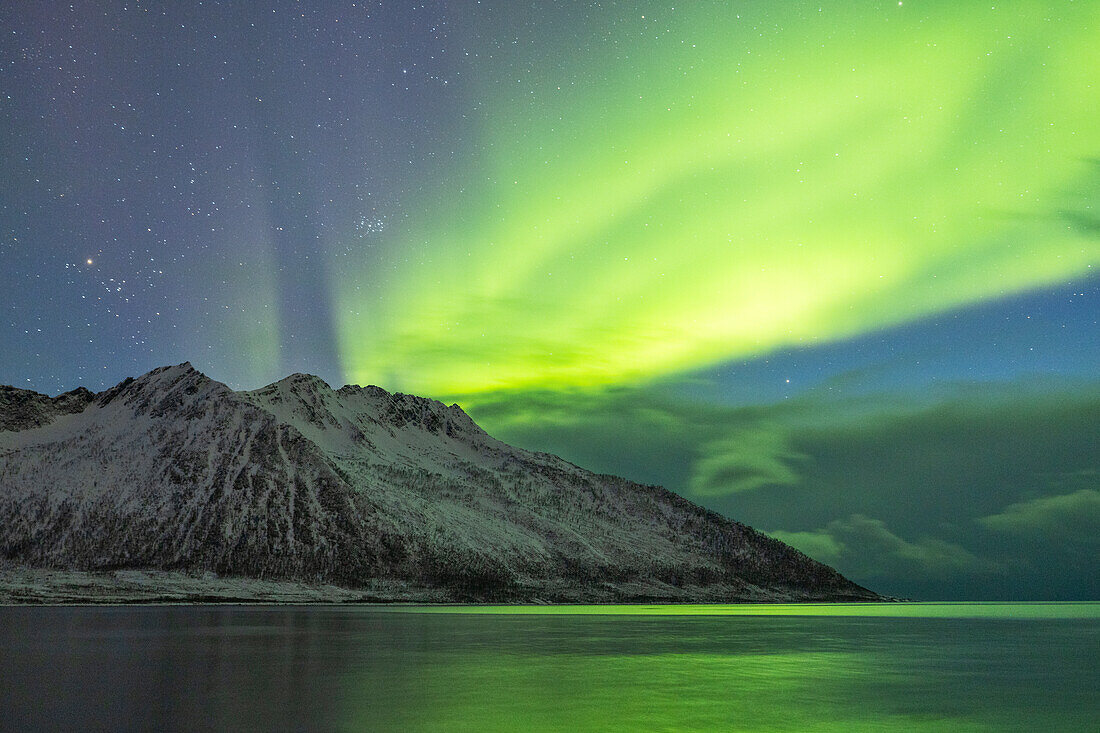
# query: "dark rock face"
{"type": "Point", "coordinates": [21, 409]}
{"type": "Point", "coordinates": [174, 471]}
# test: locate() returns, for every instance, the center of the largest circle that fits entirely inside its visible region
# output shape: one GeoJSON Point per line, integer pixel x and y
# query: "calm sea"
{"type": "Point", "coordinates": [879, 667]}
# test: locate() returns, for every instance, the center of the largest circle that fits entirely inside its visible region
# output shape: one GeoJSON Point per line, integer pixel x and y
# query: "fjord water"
{"type": "Point", "coordinates": [874, 667]}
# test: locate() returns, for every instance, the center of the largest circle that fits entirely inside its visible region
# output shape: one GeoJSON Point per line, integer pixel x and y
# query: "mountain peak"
{"type": "Point", "coordinates": [299, 382]}
{"type": "Point", "coordinates": [163, 388]}
{"type": "Point", "coordinates": [371, 389]}
{"type": "Point", "coordinates": [168, 375]}
{"type": "Point", "coordinates": [358, 487]}
{"type": "Point", "coordinates": [174, 370]}
{"type": "Point", "coordinates": [301, 379]}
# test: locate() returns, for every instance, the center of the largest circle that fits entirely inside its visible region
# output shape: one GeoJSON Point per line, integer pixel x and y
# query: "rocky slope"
{"type": "Point", "coordinates": [358, 488]}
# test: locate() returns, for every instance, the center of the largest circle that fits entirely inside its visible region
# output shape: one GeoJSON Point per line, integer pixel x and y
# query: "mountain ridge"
{"type": "Point", "coordinates": [296, 481]}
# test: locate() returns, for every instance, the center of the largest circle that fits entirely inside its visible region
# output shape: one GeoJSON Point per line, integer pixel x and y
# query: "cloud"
{"type": "Point", "coordinates": [748, 459]}
{"type": "Point", "coordinates": [1072, 518]}
{"type": "Point", "coordinates": [865, 548]}
{"type": "Point", "coordinates": [928, 466]}
{"type": "Point", "coordinates": [819, 544]}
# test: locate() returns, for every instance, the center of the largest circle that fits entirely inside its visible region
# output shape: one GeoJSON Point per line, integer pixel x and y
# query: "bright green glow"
{"type": "Point", "coordinates": [658, 691]}
{"type": "Point", "coordinates": [554, 672]}
{"type": "Point", "coordinates": [714, 193]}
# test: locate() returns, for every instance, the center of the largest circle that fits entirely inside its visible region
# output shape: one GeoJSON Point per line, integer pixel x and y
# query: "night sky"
{"type": "Point", "coordinates": [831, 269]}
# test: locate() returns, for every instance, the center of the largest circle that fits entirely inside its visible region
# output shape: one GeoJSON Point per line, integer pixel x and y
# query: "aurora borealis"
{"type": "Point", "coordinates": [715, 193]}
{"type": "Point", "coordinates": [828, 268]}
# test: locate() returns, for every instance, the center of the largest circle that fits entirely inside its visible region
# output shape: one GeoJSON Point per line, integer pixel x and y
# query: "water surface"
{"type": "Point", "coordinates": [751, 667]}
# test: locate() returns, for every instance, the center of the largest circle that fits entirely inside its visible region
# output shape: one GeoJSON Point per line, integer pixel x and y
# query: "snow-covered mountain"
{"type": "Point", "coordinates": [297, 481]}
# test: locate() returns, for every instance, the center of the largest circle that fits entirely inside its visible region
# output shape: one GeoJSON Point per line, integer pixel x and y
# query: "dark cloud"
{"type": "Point", "coordinates": [1070, 518]}
{"type": "Point", "coordinates": [748, 459]}
{"type": "Point", "coordinates": [920, 495]}
{"type": "Point", "coordinates": [867, 548]}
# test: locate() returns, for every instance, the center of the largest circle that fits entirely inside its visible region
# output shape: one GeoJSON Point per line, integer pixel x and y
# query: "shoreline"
{"type": "Point", "coordinates": [25, 586]}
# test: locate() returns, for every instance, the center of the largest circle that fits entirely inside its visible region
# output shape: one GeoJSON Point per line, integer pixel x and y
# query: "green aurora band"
{"type": "Point", "coordinates": [716, 189]}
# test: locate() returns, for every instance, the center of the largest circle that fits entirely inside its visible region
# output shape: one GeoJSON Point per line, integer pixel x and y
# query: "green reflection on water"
{"type": "Point", "coordinates": [881, 667]}
{"type": "Point", "coordinates": [990, 610]}
{"type": "Point", "coordinates": [781, 691]}
{"type": "Point", "coordinates": [852, 667]}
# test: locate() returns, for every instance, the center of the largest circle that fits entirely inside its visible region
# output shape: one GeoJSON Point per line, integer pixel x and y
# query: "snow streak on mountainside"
{"type": "Point", "coordinates": [296, 481]}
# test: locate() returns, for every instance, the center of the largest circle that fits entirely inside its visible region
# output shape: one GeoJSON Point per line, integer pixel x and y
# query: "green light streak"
{"type": "Point", "coordinates": [710, 194]}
